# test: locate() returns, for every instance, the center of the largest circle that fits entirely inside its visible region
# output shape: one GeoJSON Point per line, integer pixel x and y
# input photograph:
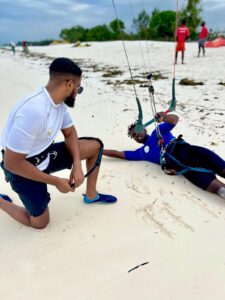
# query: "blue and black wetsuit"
{"type": "Point", "coordinates": [190, 155]}
{"type": "Point", "coordinates": [151, 150]}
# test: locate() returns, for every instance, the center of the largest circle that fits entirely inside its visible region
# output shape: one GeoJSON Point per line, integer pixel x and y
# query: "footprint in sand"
{"type": "Point", "coordinates": [201, 204]}
{"type": "Point", "coordinates": [107, 174]}
{"type": "Point", "coordinates": [161, 192]}
{"type": "Point", "coordinates": [136, 184]}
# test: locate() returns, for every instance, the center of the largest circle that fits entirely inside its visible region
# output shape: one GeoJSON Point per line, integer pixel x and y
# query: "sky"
{"type": "Point", "coordinates": [34, 20]}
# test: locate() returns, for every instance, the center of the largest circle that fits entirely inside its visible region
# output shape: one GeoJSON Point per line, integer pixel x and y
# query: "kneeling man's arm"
{"type": "Point", "coordinates": [17, 164]}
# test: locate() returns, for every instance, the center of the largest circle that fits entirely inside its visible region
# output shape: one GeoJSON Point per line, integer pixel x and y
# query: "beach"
{"type": "Point", "coordinates": [164, 238]}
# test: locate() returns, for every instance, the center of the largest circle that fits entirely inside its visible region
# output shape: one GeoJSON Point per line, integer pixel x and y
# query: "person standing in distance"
{"type": "Point", "coordinates": [182, 34]}
{"type": "Point", "coordinates": [202, 38]}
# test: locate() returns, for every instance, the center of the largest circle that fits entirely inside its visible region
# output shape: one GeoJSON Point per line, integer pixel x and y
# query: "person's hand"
{"type": "Point", "coordinates": [159, 116]}
{"type": "Point", "coordinates": [76, 176]}
{"type": "Point", "coordinates": [63, 185]}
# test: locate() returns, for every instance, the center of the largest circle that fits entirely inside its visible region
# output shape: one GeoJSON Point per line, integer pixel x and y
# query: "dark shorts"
{"type": "Point", "coordinates": [34, 194]}
{"type": "Point", "coordinates": [198, 157]}
{"type": "Point", "coordinates": [201, 42]}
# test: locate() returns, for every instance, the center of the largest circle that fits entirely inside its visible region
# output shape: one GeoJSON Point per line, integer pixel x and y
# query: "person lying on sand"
{"type": "Point", "coordinates": [198, 164]}
{"type": "Point", "coordinates": [30, 153]}
{"type": "Point", "coordinates": [79, 44]}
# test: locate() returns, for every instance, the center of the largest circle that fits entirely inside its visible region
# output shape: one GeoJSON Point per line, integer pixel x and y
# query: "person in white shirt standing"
{"type": "Point", "coordinates": [30, 153]}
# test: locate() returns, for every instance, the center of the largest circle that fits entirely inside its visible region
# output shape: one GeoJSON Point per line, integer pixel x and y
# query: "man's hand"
{"type": "Point", "coordinates": [76, 176]}
{"type": "Point", "coordinates": [159, 116]}
{"type": "Point", "coordinates": [63, 185]}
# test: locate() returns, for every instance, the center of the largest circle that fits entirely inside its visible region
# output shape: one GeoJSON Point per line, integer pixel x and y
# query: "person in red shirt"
{"type": "Point", "coordinates": [182, 34]}
{"type": "Point", "coordinates": [202, 38]}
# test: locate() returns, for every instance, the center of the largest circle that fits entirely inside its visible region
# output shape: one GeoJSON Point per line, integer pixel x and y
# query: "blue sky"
{"type": "Point", "coordinates": [43, 19]}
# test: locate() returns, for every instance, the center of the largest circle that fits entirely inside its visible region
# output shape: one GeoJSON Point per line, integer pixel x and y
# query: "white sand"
{"type": "Point", "coordinates": [87, 251]}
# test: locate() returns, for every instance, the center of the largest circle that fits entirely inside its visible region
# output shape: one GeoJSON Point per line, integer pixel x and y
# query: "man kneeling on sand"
{"type": "Point", "coordinates": [198, 164]}
{"type": "Point", "coordinates": [30, 154]}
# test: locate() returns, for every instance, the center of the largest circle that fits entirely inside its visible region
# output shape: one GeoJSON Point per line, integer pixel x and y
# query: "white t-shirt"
{"type": "Point", "coordinates": [34, 123]}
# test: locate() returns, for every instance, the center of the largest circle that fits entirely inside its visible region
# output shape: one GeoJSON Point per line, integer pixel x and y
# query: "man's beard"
{"type": "Point", "coordinates": [70, 101]}
{"type": "Point", "coordinates": [143, 140]}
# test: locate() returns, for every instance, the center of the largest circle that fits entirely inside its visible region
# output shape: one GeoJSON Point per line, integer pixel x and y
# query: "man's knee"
{"type": "Point", "coordinates": [39, 225]}
{"type": "Point", "coordinates": [214, 186]}
{"type": "Point", "coordinates": [41, 221]}
{"type": "Point", "coordinates": [89, 147]}
{"type": "Point", "coordinates": [96, 146]}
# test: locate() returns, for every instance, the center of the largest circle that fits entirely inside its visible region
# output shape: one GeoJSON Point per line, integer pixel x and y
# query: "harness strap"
{"type": "Point", "coordinates": [37, 159]}
{"type": "Point", "coordinates": [185, 167]}
{"type": "Point", "coordinates": [99, 158]}
{"type": "Point", "coordinates": [167, 154]}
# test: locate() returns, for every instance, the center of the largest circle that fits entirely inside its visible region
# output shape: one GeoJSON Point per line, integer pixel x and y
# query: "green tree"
{"type": "Point", "coordinates": [141, 25]}
{"type": "Point", "coordinates": [191, 13]}
{"type": "Point", "coordinates": [99, 33]}
{"type": "Point", "coordinates": [116, 26]}
{"type": "Point", "coordinates": [162, 25]}
{"type": "Point", "coordinates": [74, 34]}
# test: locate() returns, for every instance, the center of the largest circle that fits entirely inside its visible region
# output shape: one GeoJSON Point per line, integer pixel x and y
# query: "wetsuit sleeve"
{"type": "Point", "coordinates": [133, 155]}
{"type": "Point", "coordinates": [165, 127]}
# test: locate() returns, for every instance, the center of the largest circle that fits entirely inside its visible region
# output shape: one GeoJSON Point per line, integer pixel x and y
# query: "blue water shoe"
{"type": "Point", "coordinates": [102, 198]}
